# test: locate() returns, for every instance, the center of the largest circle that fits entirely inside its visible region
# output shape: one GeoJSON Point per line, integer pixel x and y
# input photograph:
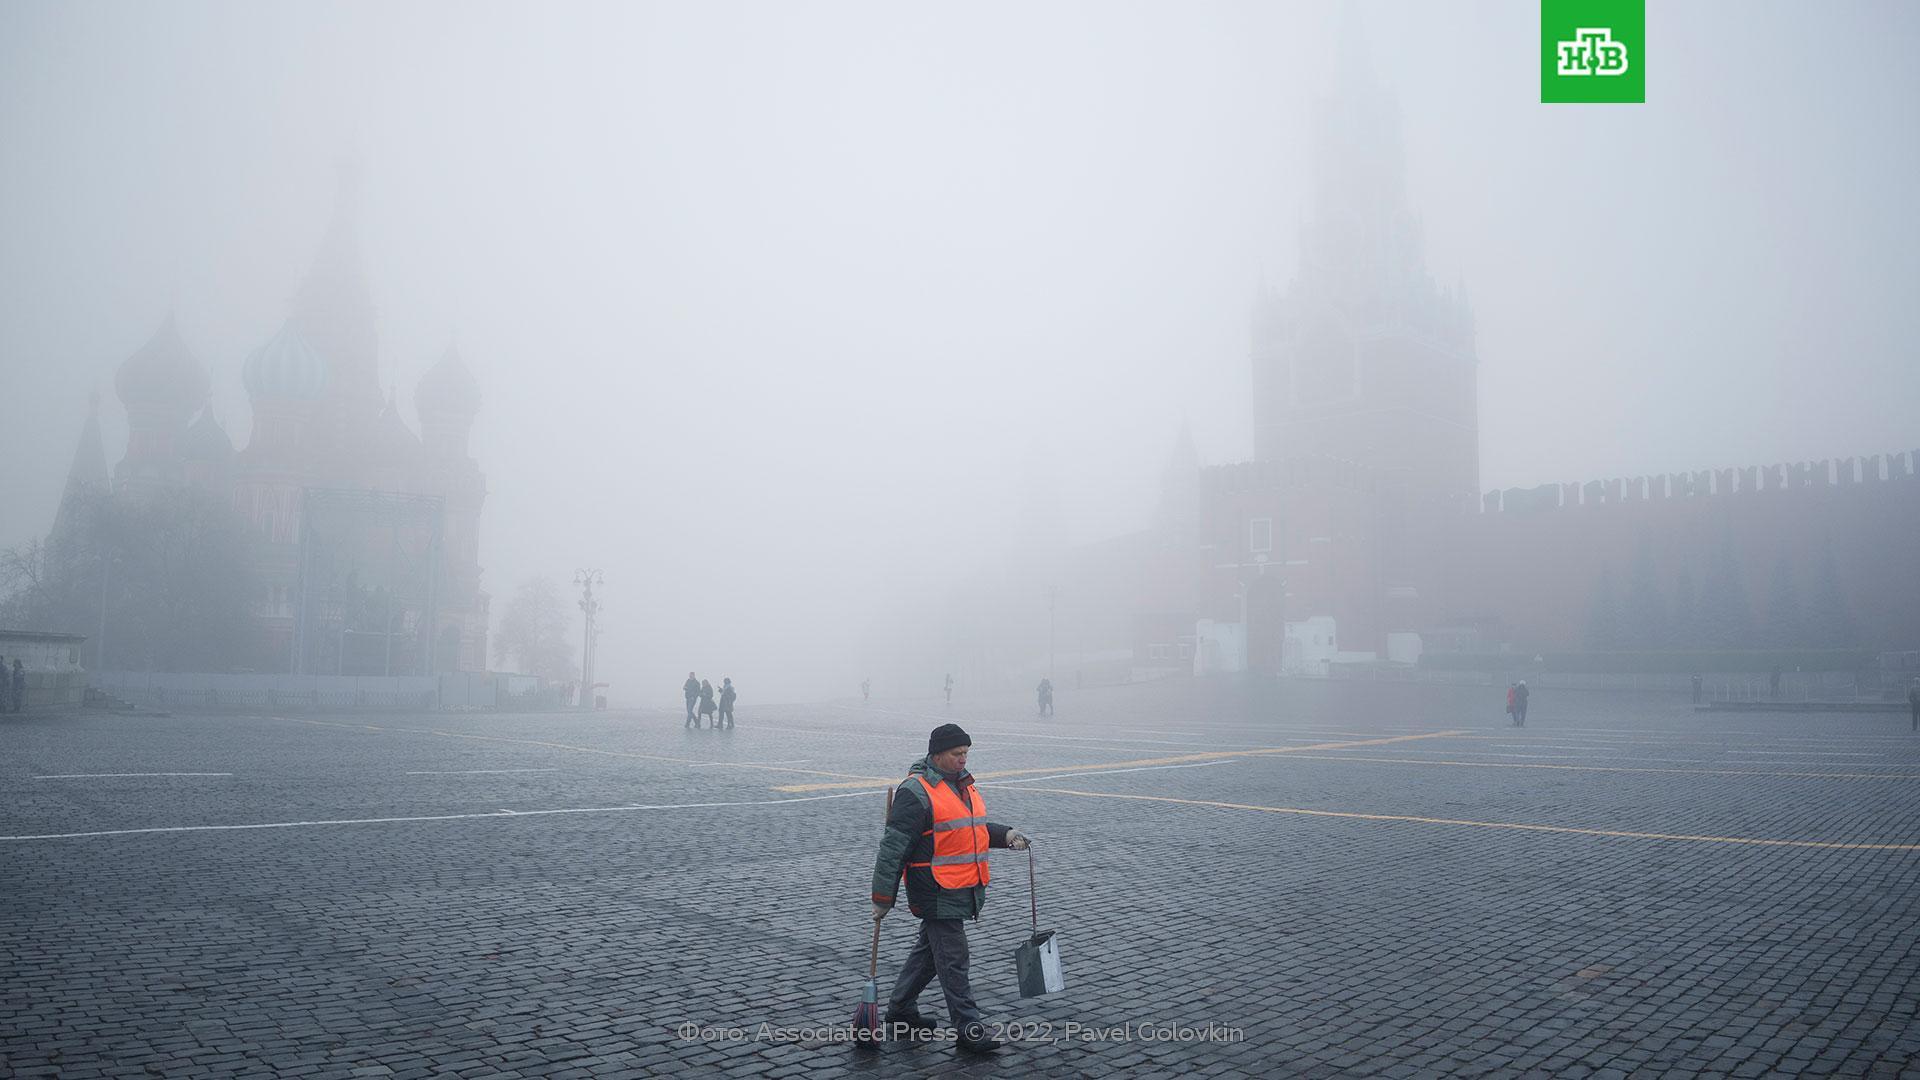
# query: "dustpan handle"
{"type": "Point", "coordinates": [1033, 901]}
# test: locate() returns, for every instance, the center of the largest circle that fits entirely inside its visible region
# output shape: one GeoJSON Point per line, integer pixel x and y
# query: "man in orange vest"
{"type": "Point", "coordinates": [938, 835]}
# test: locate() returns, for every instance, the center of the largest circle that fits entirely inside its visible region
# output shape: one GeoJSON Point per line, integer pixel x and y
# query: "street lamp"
{"type": "Point", "coordinates": [1053, 595]}
{"type": "Point", "coordinates": [590, 607]}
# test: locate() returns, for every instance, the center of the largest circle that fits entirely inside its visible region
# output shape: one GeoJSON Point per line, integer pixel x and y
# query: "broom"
{"type": "Point", "coordinates": [867, 1016]}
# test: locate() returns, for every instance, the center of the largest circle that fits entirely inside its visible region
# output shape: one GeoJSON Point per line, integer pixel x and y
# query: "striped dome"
{"type": "Point", "coordinates": [286, 368]}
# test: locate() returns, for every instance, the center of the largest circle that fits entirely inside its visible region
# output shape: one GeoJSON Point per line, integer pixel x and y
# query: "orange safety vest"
{"type": "Point", "coordinates": [959, 837]}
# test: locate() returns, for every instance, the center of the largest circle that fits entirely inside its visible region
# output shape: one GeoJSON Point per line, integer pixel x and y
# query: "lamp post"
{"type": "Point", "coordinates": [590, 606]}
{"type": "Point", "coordinates": [1053, 595]}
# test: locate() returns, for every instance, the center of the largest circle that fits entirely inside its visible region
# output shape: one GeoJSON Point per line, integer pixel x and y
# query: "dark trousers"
{"type": "Point", "coordinates": [690, 702]}
{"type": "Point", "coordinates": [1520, 714]}
{"type": "Point", "coordinates": [940, 951]}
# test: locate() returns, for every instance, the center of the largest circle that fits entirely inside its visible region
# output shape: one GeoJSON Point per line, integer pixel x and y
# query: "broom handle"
{"type": "Point", "coordinates": [873, 957]}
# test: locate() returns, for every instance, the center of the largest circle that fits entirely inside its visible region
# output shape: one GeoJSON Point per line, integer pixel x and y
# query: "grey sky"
{"type": "Point", "coordinates": [776, 303]}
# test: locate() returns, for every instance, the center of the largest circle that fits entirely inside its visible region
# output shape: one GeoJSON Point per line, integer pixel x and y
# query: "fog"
{"type": "Point", "coordinates": [786, 316]}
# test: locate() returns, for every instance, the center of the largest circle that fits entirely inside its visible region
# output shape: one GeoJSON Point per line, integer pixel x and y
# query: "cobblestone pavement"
{"type": "Point", "coordinates": [1624, 887]}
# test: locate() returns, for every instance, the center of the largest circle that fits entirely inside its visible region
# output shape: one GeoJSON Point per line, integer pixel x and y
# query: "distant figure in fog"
{"type": "Point", "coordinates": [1512, 696]}
{"type": "Point", "coordinates": [1520, 704]}
{"type": "Point", "coordinates": [19, 686]}
{"type": "Point", "coordinates": [866, 690]}
{"type": "Point", "coordinates": [1913, 703]}
{"type": "Point", "coordinates": [6, 688]}
{"type": "Point", "coordinates": [707, 706]}
{"type": "Point", "coordinates": [1773, 681]}
{"type": "Point", "coordinates": [1045, 692]}
{"type": "Point", "coordinates": [949, 689]}
{"type": "Point", "coordinates": [1696, 689]}
{"type": "Point", "coordinates": [692, 690]}
{"type": "Point", "coordinates": [727, 694]}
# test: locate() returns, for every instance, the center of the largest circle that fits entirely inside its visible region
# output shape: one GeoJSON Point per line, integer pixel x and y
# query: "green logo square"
{"type": "Point", "coordinates": [1593, 50]}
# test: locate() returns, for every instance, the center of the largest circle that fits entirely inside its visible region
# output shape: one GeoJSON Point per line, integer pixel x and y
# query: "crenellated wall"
{"type": "Point", "coordinates": [1751, 480]}
{"type": "Point", "coordinates": [1526, 568]}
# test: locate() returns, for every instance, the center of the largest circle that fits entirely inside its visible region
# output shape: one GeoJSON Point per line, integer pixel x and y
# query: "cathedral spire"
{"type": "Point", "coordinates": [334, 308]}
{"type": "Point", "coordinates": [86, 476]}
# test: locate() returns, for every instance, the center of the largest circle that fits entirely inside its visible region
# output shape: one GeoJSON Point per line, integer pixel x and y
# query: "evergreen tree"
{"type": "Point", "coordinates": [1726, 617]}
{"type": "Point", "coordinates": [1684, 626]}
{"type": "Point", "coordinates": [1786, 621]}
{"type": "Point", "coordinates": [1829, 618]}
{"type": "Point", "coordinates": [1645, 623]}
{"type": "Point", "coordinates": [1603, 620]}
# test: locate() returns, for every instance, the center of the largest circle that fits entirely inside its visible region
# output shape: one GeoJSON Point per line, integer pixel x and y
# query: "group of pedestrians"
{"type": "Point", "coordinates": [702, 704]}
{"type": "Point", "coordinates": [13, 687]}
{"type": "Point", "coordinates": [1517, 703]}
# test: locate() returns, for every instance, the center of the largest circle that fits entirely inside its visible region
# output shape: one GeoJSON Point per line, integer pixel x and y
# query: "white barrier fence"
{"type": "Point", "coordinates": [213, 691]}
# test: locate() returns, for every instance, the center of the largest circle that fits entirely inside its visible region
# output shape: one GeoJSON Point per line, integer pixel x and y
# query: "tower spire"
{"type": "Point", "coordinates": [86, 476]}
{"type": "Point", "coordinates": [334, 308]}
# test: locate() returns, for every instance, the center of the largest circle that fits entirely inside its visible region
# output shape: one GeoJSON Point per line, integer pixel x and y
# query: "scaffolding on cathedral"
{"type": "Point", "coordinates": [369, 577]}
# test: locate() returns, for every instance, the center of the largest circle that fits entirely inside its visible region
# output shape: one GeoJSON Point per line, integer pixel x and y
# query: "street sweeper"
{"type": "Point", "coordinates": [937, 835]}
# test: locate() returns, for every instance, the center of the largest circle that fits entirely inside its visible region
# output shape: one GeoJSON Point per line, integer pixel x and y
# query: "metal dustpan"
{"type": "Point", "coordinates": [1037, 962]}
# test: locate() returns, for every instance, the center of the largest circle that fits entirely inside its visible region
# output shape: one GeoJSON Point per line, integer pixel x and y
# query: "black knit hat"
{"type": "Point", "coordinates": [946, 737]}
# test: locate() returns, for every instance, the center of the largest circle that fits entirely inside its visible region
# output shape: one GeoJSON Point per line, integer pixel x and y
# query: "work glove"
{"type": "Point", "coordinates": [880, 911]}
{"type": "Point", "coordinates": [1017, 840]}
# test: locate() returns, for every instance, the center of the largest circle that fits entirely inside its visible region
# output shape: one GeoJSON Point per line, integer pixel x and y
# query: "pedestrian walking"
{"type": "Point", "coordinates": [692, 689]}
{"type": "Point", "coordinates": [1520, 704]}
{"type": "Point", "coordinates": [1773, 682]}
{"type": "Point", "coordinates": [727, 694]}
{"type": "Point", "coordinates": [19, 686]}
{"type": "Point", "coordinates": [949, 689]}
{"type": "Point", "coordinates": [707, 707]}
{"type": "Point", "coordinates": [937, 837]}
{"type": "Point", "coordinates": [1696, 689]}
{"type": "Point", "coordinates": [1913, 703]}
{"type": "Point", "coordinates": [1512, 689]}
{"type": "Point", "coordinates": [6, 687]}
{"type": "Point", "coordinates": [866, 690]}
{"type": "Point", "coordinates": [1045, 693]}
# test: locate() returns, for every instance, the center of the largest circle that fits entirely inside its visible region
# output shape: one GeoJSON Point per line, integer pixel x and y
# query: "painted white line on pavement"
{"type": "Point", "coordinates": [99, 775]}
{"type": "Point", "coordinates": [1108, 772]}
{"type": "Point", "coordinates": [1813, 753]}
{"type": "Point", "coordinates": [473, 772]}
{"type": "Point", "coordinates": [492, 815]}
{"type": "Point", "coordinates": [705, 764]}
{"type": "Point", "coordinates": [1006, 734]}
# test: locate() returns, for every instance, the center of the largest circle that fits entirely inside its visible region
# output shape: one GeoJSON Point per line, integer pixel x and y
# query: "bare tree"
{"type": "Point", "coordinates": [533, 634]}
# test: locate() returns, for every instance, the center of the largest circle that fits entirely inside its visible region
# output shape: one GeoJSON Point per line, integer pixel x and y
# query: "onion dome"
{"type": "Point", "coordinates": [393, 439]}
{"type": "Point", "coordinates": [448, 388]}
{"type": "Point", "coordinates": [163, 373]}
{"type": "Point", "coordinates": [286, 368]}
{"type": "Point", "coordinates": [205, 439]}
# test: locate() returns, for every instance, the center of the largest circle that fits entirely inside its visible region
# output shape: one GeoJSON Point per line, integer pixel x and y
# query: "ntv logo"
{"type": "Point", "coordinates": [1582, 38]}
{"type": "Point", "coordinates": [1592, 52]}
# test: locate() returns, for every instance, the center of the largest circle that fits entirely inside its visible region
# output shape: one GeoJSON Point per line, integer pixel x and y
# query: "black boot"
{"type": "Point", "coordinates": [978, 1044]}
{"type": "Point", "coordinates": [909, 1017]}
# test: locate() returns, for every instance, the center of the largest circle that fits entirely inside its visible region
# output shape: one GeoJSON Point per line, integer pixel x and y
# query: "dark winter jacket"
{"type": "Point", "coordinates": [908, 840]}
{"type": "Point", "coordinates": [727, 694]}
{"type": "Point", "coordinates": [692, 688]}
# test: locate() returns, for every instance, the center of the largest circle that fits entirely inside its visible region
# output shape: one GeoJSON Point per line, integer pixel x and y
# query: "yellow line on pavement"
{"type": "Point", "coordinates": [594, 750]}
{"type": "Point", "coordinates": [1521, 826]}
{"type": "Point", "coordinates": [1616, 768]}
{"type": "Point", "coordinates": [648, 757]}
{"type": "Point", "coordinates": [1177, 759]}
